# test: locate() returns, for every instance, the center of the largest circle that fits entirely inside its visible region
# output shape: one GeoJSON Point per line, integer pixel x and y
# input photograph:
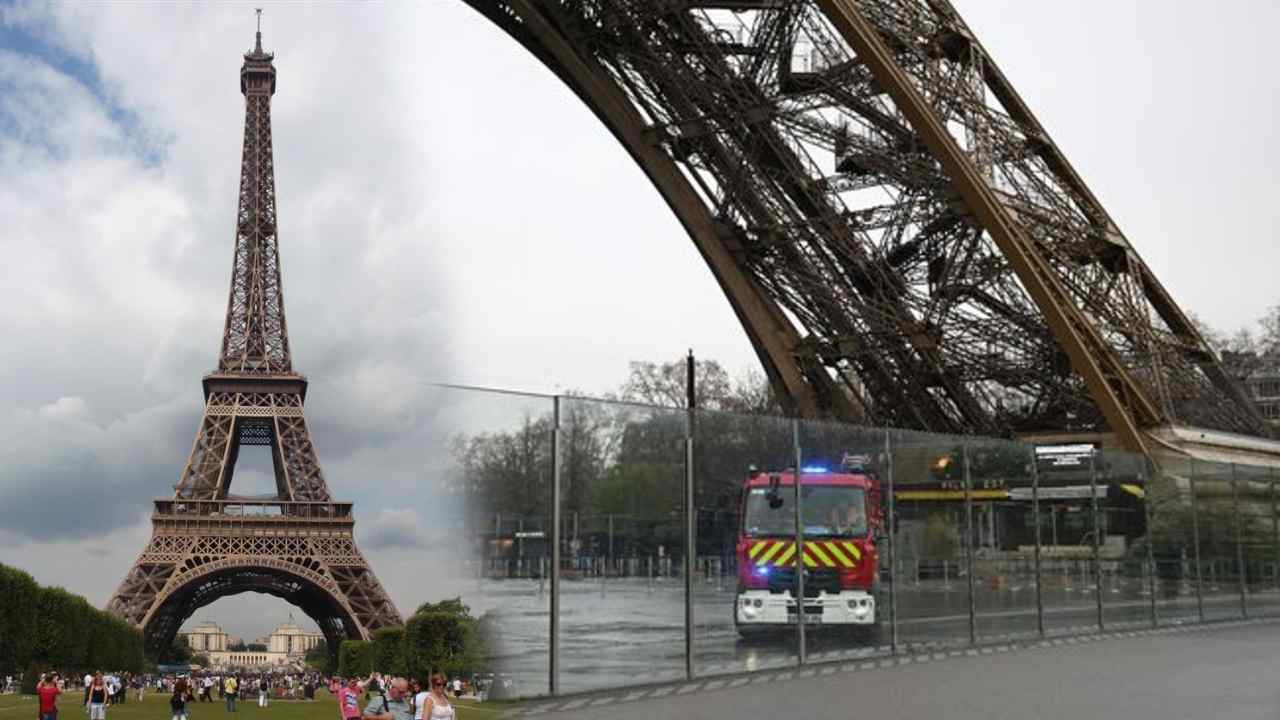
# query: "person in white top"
{"type": "Point", "coordinates": [419, 698]}
{"type": "Point", "coordinates": [436, 706]}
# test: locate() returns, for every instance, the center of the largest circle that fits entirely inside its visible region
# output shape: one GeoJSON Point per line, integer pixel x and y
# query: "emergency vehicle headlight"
{"type": "Point", "coordinates": [759, 603]}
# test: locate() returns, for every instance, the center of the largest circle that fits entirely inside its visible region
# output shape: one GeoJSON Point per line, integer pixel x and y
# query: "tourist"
{"type": "Point", "coordinates": [349, 699]}
{"type": "Point", "coordinates": [391, 703]}
{"type": "Point", "coordinates": [139, 686]}
{"type": "Point", "coordinates": [178, 701]}
{"type": "Point", "coordinates": [262, 691]}
{"type": "Point", "coordinates": [437, 706]}
{"type": "Point", "coordinates": [98, 694]}
{"type": "Point", "coordinates": [457, 687]}
{"type": "Point", "coordinates": [206, 689]}
{"type": "Point", "coordinates": [47, 692]}
{"type": "Point", "coordinates": [417, 687]}
{"type": "Point", "coordinates": [88, 680]}
{"type": "Point", "coordinates": [229, 689]}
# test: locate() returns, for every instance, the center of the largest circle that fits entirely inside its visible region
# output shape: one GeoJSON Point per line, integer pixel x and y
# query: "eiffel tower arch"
{"type": "Point", "coordinates": [297, 544]}
{"type": "Point", "coordinates": [901, 239]}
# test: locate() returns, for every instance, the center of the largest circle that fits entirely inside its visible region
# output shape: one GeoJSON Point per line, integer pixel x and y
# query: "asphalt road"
{"type": "Point", "coordinates": [1208, 672]}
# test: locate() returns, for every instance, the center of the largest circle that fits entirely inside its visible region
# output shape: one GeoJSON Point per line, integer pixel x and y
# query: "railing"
{"type": "Point", "coordinates": [253, 510]}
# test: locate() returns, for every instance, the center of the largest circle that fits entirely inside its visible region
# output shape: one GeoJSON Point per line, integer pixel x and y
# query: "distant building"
{"type": "Point", "coordinates": [286, 645]}
{"type": "Point", "coordinates": [206, 637]}
{"type": "Point", "coordinates": [1263, 387]}
{"type": "Point", "coordinates": [293, 640]}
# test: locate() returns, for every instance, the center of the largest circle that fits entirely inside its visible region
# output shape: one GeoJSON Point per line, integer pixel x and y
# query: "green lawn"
{"type": "Point", "coordinates": [156, 707]}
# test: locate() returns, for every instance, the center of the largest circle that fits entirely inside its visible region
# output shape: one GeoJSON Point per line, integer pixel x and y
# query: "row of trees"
{"type": "Point", "coordinates": [43, 628]}
{"type": "Point", "coordinates": [440, 636]}
{"type": "Point", "coordinates": [1249, 349]}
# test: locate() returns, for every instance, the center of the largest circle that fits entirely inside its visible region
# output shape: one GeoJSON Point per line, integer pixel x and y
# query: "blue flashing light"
{"type": "Point", "coordinates": [762, 569]}
{"type": "Point", "coordinates": [813, 469]}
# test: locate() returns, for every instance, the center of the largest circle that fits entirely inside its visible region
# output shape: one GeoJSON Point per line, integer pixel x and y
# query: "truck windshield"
{"type": "Point", "coordinates": [828, 511]}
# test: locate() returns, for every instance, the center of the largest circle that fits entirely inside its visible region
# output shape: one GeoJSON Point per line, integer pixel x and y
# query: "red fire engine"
{"type": "Point", "coordinates": [840, 512]}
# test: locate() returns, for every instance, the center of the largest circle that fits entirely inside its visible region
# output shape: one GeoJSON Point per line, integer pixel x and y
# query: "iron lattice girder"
{"type": "Point", "coordinates": [206, 543]}
{"type": "Point", "coordinates": [903, 220]}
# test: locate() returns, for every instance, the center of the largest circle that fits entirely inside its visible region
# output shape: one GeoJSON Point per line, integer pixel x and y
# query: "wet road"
{"type": "Point", "coordinates": [1226, 673]}
{"type": "Point", "coordinates": [625, 632]}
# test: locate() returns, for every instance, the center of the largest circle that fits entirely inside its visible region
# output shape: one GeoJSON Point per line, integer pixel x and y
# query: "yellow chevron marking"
{"type": "Point", "coordinates": [816, 549]}
{"type": "Point", "coordinates": [853, 550]}
{"type": "Point", "coordinates": [785, 557]}
{"type": "Point", "coordinates": [834, 549]}
{"type": "Point", "coordinates": [773, 550]}
{"type": "Point", "coordinates": [808, 559]}
{"type": "Point", "coordinates": [756, 548]}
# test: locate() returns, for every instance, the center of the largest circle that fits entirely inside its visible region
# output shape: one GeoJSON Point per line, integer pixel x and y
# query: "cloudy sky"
{"type": "Point", "coordinates": [449, 212]}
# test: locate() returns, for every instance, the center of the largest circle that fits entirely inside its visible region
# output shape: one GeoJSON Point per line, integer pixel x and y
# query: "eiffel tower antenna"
{"type": "Point", "coordinates": [297, 544]}
{"type": "Point", "coordinates": [258, 46]}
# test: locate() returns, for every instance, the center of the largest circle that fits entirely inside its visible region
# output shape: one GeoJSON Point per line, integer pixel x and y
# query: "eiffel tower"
{"type": "Point", "coordinates": [900, 237]}
{"type": "Point", "coordinates": [207, 543]}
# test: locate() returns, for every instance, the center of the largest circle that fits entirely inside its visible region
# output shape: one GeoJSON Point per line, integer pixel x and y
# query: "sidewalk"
{"type": "Point", "coordinates": [1195, 671]}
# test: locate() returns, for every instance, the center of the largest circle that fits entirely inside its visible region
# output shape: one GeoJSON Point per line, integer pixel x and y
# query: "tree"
{"type": "Point", "coordinates": [256, 647]}
{"type": "Point", "coordinates": [354, 658]}
{"type": "Point", "coordinates": [178, 653]}
{"type": "Point", "coordinates": [17, 630]}
{"type": "Point", "coordinates": [442, 636]}
{"type": "Point", "coordinates": [388, 650]}
{"type": "Point", "coordinates": [319, 658]}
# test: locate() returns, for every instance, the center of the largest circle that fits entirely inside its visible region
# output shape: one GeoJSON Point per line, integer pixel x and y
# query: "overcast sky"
{"type": "Point", "coordinates": [449, 212]}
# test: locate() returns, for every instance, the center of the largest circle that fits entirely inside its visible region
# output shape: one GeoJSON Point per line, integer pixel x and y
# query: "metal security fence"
{"type": "Point", "coordinates": [603, 539]}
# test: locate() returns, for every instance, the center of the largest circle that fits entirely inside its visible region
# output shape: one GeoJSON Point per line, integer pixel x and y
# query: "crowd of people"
{"type": "Point", "coordinates": [376, 697]}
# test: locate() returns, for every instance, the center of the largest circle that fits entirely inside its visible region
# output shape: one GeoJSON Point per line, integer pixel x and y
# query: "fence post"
{"type": "Point", "coordinates": [1275, 534]}
{"type": "Point", "coordinates": [799, 585]}
{"type": "Point", "coordinates": [1195, 535]}
{"type": "Point", "coordinates": [968, 542]}
{"type": "Point", "coordinates": [554, 663]}
{"type": "Point", "coordinates": [892, 546]}
{"type": "Point", "coordinates": [1097, 531]}
{"type": "Point", "coordinates": [1239, 522]}
{"type": "Point", "coordinates": [690, 544]}
{"type": "Point", "coordinates": [1035, 515]}
{"type": "Point", "coordinates": [1148, 495]}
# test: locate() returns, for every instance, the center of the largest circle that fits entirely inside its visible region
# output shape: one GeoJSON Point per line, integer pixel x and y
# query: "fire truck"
{"type": "Point", "coordinates": [841, 517]}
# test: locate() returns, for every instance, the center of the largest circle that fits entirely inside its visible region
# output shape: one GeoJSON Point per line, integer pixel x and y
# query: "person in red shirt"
{"type": "Point", "coordinates": [349, 699]}
{"type": "Point", "coordinates": [48, 691]}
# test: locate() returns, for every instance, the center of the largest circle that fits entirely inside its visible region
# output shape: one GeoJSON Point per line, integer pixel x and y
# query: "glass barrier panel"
{"type": "Point", "coordinates": [1066, 474]}
{"type": "Point", "coordinates": [1257, 538]}
{"type": "Point", "coordinates": [1004, 540]}
{"type": "Point", "coordinates": [743, 598]}
{"type": "Point", "coordinates": [1172, 536]}
{"type": "Point", "coordinates": [622, 598]}
{"type": "Point", "coordinates": [1216, 515]}
{"type": "Point", "coordinates": [930, 534]}
{"type": "Point", "coordinates": [1124, 538]}
{"type": "Point", "coordinates": [847, 553]}
{"type": "Point", "coordinates": [496, 451]}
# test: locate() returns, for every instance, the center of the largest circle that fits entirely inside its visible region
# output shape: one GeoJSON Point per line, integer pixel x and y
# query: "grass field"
{"type": "Point", "coordinates": [156, 707]}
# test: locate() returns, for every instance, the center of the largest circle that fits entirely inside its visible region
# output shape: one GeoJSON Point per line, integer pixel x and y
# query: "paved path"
{"type": "Point", "coordinates": [1218, 671]}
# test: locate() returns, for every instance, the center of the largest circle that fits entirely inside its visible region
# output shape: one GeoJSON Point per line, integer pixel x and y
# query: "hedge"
{"type": "Point", "coordinates": [48, 628]}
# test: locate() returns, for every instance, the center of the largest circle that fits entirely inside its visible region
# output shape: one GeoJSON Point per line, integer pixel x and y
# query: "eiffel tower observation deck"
{"type": "Point", "coordinates": [297, 543]}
